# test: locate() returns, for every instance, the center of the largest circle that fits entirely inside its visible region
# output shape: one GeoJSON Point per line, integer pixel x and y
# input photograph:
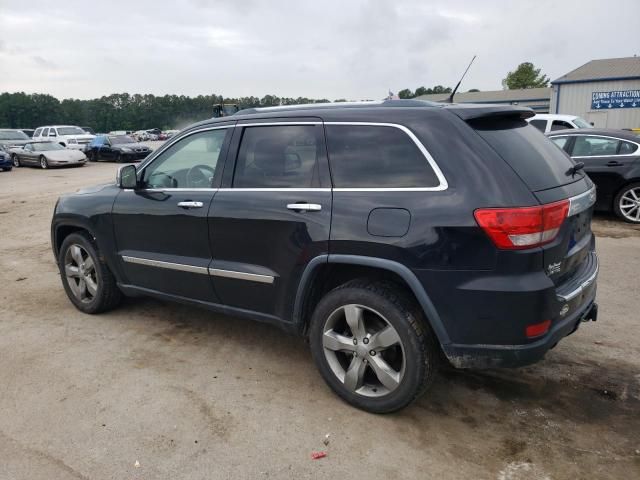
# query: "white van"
{"type": "Point", "coordinates": [548, 122]}
{"type": "Point", "coordinates": [68, 136]}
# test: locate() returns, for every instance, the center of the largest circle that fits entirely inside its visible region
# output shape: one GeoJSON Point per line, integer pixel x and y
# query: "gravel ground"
{"type": "Point", "coordinates": [161, 391]}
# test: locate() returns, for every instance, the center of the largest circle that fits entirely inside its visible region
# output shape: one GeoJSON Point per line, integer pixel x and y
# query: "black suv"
{"type": "Point", "coordinates": [391, 235]}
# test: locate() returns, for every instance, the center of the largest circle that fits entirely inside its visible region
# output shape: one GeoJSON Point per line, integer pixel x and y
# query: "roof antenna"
{"type": "Point", "coordinates": [450, 99]}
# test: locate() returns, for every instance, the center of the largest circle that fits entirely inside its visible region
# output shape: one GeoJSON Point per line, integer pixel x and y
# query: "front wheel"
{"type": "Point", "coordinates": [16, 160]}
{"type": "Point", "coordinates": [43, 162]}
{"type": "Point", "coordinates": [373, 346]}
{"type": "Point", "coordinates": [627, 203]}
{"type": "Point", "coordinates": [86, 278]}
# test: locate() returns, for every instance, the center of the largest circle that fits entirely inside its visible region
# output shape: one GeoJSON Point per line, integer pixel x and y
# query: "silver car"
{"type": "Point", "coordinates": [45, 155]}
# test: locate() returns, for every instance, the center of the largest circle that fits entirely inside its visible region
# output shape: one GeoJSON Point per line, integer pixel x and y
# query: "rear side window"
{"type": "Point", "coordinates": [560, 125]}
{"type": "Point", "coordinates": [539, 124]}
{"type": "Point", "coordinates": [561, 142]}
{"type": "Point", "coordinates": [278, 157]}
{"type": "Point", "coordinates": [536, 160]}
{"type": "Point", "coordinates": [627, 148]}
{"type": "Point", "coordinates": [37, 132]}
{"type": "Point", "coordinates": [367, 156]}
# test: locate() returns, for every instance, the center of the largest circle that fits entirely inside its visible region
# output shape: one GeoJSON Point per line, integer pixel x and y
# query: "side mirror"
{"type": "Point", "coordinates": [127, 177]}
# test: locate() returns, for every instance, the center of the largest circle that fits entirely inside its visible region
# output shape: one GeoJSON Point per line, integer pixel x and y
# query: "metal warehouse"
{"type": "Point", "coordinates": [605, 92]}
{"type": "Point", "coordinates": [536, 98]}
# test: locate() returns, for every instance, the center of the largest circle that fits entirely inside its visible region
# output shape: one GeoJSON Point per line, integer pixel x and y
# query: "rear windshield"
{"type": "Point", "coordinates": [536, 160]}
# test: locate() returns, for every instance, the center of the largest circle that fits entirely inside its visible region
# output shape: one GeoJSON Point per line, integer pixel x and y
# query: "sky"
{"type": "Point", "coordinates": [353, 49]}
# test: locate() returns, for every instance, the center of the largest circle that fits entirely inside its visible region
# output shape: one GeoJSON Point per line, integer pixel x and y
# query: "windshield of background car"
{"type": "Point", "coordinates": [122, 139]}
{"type": "Point", "coordinates": [71, 131]}
{"type": "Point", "coordinates": [46, 146]}
{"type": "Point", "coordinates": [13, 135]}
{"type": "Point", "coordinates": [582, 123]}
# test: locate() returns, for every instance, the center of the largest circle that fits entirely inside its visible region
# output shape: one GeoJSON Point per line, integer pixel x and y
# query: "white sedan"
{"type": "Point", "coordinates": [45, 155]}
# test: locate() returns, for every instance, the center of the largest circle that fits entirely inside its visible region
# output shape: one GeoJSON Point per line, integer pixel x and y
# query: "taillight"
{"type": "Point", "coordinates": [522, 227]}
{"type": "Point", "coordinates": [538, 329]}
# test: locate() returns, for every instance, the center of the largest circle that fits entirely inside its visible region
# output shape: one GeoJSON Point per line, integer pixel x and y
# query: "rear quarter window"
{"type": "Point", "coordinates": [368, 156]}
{"type": "Point", "coordinates": [536, 160]}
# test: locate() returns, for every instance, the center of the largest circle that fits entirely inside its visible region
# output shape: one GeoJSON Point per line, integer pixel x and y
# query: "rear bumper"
{"type": "Point", "coordinates": [494, 356]}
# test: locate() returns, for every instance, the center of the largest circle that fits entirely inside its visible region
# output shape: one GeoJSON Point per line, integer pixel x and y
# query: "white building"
{"type": "Point", "coordinates": [605, 92]}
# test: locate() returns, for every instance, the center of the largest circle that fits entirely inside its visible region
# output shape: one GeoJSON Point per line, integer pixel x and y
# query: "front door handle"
{"type": "Point", "coordinates": [614, 163]}
{"type": "Point", "coordinates": [305, 207]}
{"type": "Point", "coordinates": [190, 204]}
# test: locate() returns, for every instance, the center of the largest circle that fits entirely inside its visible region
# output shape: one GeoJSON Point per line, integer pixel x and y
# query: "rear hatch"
{"type": "Point", "coordinates": [547, 171]}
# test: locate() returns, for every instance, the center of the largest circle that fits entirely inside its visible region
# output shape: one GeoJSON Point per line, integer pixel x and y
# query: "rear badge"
{"type": "Point", "coordinates": [553, 268]}
{"type": "Point", "coordinates": [564, 310]}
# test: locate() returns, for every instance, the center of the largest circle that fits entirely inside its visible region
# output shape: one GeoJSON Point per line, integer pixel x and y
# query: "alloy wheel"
{"type": "Point", "coordinates": [16, 161]}
{"type": "Point", "coordinates": [630, 204]}
{"type": "Point", "coordinates": [363, 350]}
{"type": "Point", "coordinates": [80, 271]}
{"type": "Point", "coordinates": [43, 163]}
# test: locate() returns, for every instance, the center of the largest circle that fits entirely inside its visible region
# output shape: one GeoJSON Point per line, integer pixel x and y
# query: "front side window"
{"type": "Point", "coordinates": [560, 125]}
{"type": "Point", "coordinates": [595, 146]}
{"type": "Point", "coordinates": [365, 156]}
{"type": "Point", "coordinates": [71, 131]}
{"type": "Point", "coordinates": [581, 123]}
{"type": "Point", "coordinates": [191, 162]}
{"type": "Point", "coordinates": [278, 157]}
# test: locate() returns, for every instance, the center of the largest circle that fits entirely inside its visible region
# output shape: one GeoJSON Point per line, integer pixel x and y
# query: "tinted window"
{"type": "Point", "coordinates": [595, 146]}
{"type": "Point", "coordinates": [278, 157]}
{"type": "Point", "coordinates": [539, 124]}
{"type": "Point", "coordinates": [189, 163]}
{"type": "Point", "coordinates": [37, 132]}
{"type": "Point", "coordinates": [560, 125]}
{"type": "Point", "coordinates": [376, 157]}
{"type": "Point", "coordinates": [537, 161]}
{"type": "Point", "coordinates": [45, 132]}
{"type": "Point", "coordinates": [627, 148]}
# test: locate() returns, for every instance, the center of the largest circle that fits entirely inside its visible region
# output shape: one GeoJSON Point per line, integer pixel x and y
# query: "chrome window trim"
{"type": "Point", "coordinates": [161, 190]}
{"type": "Point", "coordinates": [252, 277]}
{"type": "Point", "coordinates": [267, 189]}
{"type": "Point", "coordinates": [443, 184]}
{"type": "Point", "coordinates": [168, 265]}
{"type": "Point", "coordinates": [580, 203]}
{"type": "Point", "coordinates": [634, 154]}
{"type": "Point", "coordinates": [272, 124]}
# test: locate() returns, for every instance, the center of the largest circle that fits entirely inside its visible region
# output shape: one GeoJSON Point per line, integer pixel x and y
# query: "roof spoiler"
{"type": "Point", "coordinates": [473, 112]}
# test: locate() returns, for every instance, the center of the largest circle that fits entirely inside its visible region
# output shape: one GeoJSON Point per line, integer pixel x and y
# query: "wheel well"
{"type": "Point", "coordinates": [63, 144]}
{"type": "Point", "coordinates": [621, 188]}
{"type": "Point", "coordinates": [331, 275]}
{"type": "Point", "coordinates": [63, 231]}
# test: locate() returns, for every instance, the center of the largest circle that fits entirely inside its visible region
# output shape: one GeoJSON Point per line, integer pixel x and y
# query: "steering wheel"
{"type": "Point", "coordinates": [197, 176]}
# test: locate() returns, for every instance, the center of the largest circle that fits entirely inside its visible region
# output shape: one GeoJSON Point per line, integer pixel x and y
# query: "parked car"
{"type": "Point", "coordinates": [119, 148]}
{"type": "Point", "coordinates": [28, 131]}
{"type": "Point", "coordinates": [68, 136]}
{"type": "Point", "coordinates": [442, 229]}
{"type": "Point", "coordinates": [10, 138]}
{"type": "Point", "coordinates": [611, 158]}
{"type": "Point", "coordinates": [141, 135]}
{"type": "Point", "coordinates": [549, 122]}
{"type": "Point", "coordinates": [5, 160]}
{"type": "Point", "coordinates": [45, 155]}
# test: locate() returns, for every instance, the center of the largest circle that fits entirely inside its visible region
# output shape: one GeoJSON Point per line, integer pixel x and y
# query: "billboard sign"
{"type": "Point", "coordinates": [615, 99]}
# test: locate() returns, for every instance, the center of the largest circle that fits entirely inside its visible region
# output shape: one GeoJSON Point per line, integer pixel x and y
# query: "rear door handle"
{"type": "Point", "coordinates": [190, 204]}
{"type": "Point", "coordinates": [305, 207]}
{"type": "Point", "coordinates": [614, 163]}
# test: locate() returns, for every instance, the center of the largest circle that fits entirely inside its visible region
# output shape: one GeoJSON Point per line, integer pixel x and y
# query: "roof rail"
{"type": "Point", "coordinates": [332, 105]}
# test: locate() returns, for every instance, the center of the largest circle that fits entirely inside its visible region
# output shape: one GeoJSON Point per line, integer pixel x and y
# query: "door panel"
{"type": "Point", "coordinates": [273, 220]}
{"type": "Point", "coordinates": [161, 229]}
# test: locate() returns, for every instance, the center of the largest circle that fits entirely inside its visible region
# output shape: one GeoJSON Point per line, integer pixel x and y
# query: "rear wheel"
{"type": "Point", "coordinates": [43, 162]}
{"type": "Point", "coordinates": [87, 280]}
{"type": "Point", "coordinates": [627, 203]}
{"type": "Point", "coordinates": [92, 156]}
{"type": "Point", "coordinates": [119, 158]}
{"type": "Point", "coordinates": [372, 346]}
{"type": "Point", "coordinates": [16, 160]}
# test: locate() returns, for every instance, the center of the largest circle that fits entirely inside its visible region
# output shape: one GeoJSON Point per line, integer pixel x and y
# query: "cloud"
{"type": "Point", "coordinates": [352, 49]}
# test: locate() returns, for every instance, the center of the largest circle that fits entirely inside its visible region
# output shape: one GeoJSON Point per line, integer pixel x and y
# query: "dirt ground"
{"type": "Point", "coordinates": [161, 391]}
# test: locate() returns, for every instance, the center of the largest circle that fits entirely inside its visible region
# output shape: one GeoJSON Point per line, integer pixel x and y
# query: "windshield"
{"type": "Point", "coordinates": [46, 146]}
{"type": "Point", "coordinates": [582, 123]}
{"type": "Point", "coordinates": [122, 139]}
{"type": "Point", "coordinates": [71, 131]}
{"type": "Point", "coordinates": [12, 135]}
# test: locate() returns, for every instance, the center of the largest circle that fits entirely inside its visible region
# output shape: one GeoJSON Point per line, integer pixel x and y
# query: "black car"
{"type": "Point", "coordinates": [118, 148]}
{"type": "Point", "coordinates": [611, 158]}
{"type": "Point", "coordinates": [387, 233]}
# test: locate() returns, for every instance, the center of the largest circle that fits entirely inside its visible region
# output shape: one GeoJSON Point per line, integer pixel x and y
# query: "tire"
{"type": "Point", "coordinates": [626, 205]}
{"type": "Point", "coordinates": [43, 162]}
{"type": "Point", "coordinates": [16, 160]}
{"type": "Point", "coordinates": [413, 356]}
{"type": "Point", "coordinates": [119, 158]}
{"type": "Point", "coordinates": [86, 278]}
{"type": "Point", "coordinates": [92, 156]}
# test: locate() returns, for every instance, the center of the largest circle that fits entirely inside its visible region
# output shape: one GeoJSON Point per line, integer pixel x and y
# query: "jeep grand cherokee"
{"type": "Point", "coordinates": [389, 234]}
